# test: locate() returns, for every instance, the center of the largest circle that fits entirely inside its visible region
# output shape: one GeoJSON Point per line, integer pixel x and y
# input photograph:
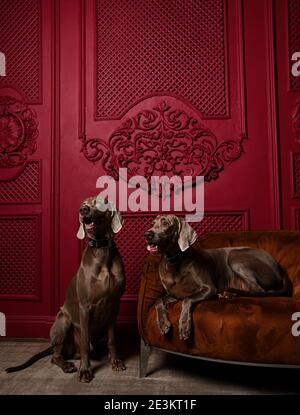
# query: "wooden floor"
{"type": "Point", "coordinates": [167, 375]}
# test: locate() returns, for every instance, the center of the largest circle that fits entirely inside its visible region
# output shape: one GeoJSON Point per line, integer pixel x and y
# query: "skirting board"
{"type": "Point", "coordinates": [39, 326]}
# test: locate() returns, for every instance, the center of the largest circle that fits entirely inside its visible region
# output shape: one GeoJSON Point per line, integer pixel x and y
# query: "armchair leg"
{"type": "Point", "coordinates": [145, 350]}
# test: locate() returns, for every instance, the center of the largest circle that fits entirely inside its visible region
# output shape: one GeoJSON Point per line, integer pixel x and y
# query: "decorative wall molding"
{"type": "Point", "coordinates": [20, 265]}
{"type": "Point", "coordinates": [296, 174]}
{"type": "Point", "coordinates": [163, 141]}
{"type": "Point", "coordinates": [18, 132]}
{"type": "Point", "coordinates": [296, 121]}
{"type": "Point", "coordinates": [37, 327]}
{"type": "Point", "coordinates": [164, 51]}
{"type": "Point", "coordinates": [293, 38]}
{"type": "Point", "coordinates": [25, 187]}
{"type": "Point", "coordinates": [21, 41]}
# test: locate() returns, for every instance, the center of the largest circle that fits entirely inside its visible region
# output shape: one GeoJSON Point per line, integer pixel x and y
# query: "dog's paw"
{"type": "Point", "coordinates": [184, 330]}
{"type": "Point", "coordinates": [164, 326]}
{"type": "Point", "coordinates": [85, 375]}
{"type": "Point", "coordinates": [69, 367]}
{"type": "Point", "coordinates": [227, 295]}
{"type": "Point", "coordinates": [117, 365]}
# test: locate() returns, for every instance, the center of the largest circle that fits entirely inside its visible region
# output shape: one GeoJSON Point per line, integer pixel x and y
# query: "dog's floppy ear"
{"type": "Point", "coordinates": [117, 220]}
{"type": "Point", "coordinates": [187, 235]}
{"type": "Point", "coordinates": [80, 233]}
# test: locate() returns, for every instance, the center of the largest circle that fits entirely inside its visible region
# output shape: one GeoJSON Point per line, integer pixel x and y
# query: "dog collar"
{"type": "Point", "coordinates": [99, 243]}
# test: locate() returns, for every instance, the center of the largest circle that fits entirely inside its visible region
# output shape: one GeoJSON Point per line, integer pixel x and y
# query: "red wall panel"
{"type": "Point", "coordinates": [288, 42]}
{"type": "Point", "coordinates": [26, 123]}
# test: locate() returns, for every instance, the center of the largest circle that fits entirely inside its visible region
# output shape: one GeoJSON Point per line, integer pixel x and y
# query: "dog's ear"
{"type": "Point", "coordinates": [116, 220]}
{"type": "Point", "coordinates": [80, 233]}
{"type": "Point", "coordinates": [187, 235]}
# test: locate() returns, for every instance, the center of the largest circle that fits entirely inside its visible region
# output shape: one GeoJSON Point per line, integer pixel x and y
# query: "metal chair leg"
{"type": "Point", "coordinates": [145, 350]}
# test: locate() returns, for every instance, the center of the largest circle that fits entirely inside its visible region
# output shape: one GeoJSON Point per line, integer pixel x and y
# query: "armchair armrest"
{"type": "Point", "coordinates": [296, 288]}
{"type": "Point", "coordinates": [150, 289]}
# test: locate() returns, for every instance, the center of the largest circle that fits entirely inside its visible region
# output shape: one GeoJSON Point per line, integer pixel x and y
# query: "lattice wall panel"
{"type": "Point", "coordinates": [297, 219]}
{"type": "Point", "coordinates": [146, 47]}
{"type": "Point", "coordinates": [20, 28]}
{"type": "Point", "coordinates": [132, 246]}
{"type": "Point", "coordinates": [25, 188]}
{"type": "Point", "coordinates": [296, 174]}
{"type": "Point", "coordinates": [294, 37]}
{"type": "Point", "coordinates": [19, 256]}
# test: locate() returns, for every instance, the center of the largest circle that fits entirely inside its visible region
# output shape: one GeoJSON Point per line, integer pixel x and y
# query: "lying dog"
{"type": "Point", "coordinates": [194, 275]}
{"type": "Point", "coordinates": [92, 302]}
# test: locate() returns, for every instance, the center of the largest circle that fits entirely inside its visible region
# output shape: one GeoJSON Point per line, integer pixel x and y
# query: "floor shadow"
{"type": "Point", "coordinates": [264, 379]}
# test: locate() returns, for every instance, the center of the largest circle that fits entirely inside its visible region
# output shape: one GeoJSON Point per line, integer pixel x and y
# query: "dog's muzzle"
{"type": "Point", "coordinates": [152, 246]}
{"type": "Point", "coordinates": [85, 213]}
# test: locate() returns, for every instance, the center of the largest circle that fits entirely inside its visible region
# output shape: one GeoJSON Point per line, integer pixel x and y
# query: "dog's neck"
{"type": "Point", "coordinates": [173, 257]}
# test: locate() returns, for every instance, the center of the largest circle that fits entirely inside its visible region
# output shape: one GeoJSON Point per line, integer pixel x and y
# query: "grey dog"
{"type": "Point", "coordinates": [193, 275]}
{"type": "Point", "coordinates": [92, 301]}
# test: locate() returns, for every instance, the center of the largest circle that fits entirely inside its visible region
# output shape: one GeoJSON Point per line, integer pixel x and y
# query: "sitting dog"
{"type": "Point", "coordinates": [92, 302]}
{"type": "Point", "coordinates": [194, 275]}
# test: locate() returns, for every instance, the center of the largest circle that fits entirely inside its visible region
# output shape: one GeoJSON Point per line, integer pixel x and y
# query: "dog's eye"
{"type": "Point", "coordinates": [164, 222]}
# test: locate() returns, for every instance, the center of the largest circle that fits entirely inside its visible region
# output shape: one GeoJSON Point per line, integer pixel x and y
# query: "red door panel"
{"type": "Point", "coordinates": [26, 272]}
{"type": "Point", "coordinates": [288, 42]}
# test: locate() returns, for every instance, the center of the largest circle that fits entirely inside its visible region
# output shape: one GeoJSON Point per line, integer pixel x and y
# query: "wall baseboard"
{"type": "Point", "coordinates": [39, 326]}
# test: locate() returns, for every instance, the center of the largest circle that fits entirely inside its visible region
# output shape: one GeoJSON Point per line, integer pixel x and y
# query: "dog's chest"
{"type": "Point", "coordinates": [174, 282]}
{"type": "Point", "coordinates": [167, 279]}
{"type": "Point", "coordinates": [104, 284]}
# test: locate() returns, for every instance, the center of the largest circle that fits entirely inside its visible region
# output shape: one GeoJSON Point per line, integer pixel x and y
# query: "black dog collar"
{"type": "Point", "coordinates": [99, 243]}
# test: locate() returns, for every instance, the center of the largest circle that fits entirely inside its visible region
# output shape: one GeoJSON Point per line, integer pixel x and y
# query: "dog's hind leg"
{"type": "Point", "coordinates": [58, 335]}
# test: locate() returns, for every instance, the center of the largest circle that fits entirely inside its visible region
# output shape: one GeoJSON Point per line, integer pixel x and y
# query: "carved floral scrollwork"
{"type": "Point", "coordinates": [18, 132]}
{"type": "Point", "coordinates": [162, 141]}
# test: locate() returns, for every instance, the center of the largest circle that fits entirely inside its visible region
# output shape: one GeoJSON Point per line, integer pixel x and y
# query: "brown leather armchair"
{"type": "Point", "coordinates": [239, 330]}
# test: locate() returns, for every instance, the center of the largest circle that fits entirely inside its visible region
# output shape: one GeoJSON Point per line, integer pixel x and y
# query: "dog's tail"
{"type": "Point", "coordinates": [30, 361]}
{"type": "Point", "coordinates": [285, 291]}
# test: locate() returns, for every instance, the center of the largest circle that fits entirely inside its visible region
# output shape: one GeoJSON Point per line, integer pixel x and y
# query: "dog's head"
{"type": "Point", "coordinates": [98, 218]}
{"type": "Point", "coordinates": [167, 233]}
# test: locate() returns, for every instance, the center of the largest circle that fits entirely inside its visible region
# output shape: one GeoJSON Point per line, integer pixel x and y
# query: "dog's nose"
{"type": "Point", "coordinates": [84, 210]}
{"type": "Point", "coordinates": [149, 235]}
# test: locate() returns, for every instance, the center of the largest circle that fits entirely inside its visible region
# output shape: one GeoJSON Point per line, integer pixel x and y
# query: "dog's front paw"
{"type": "Point", "coordinates": [117, 365]}
{"type": "Point", "coordinates": [164, 325]}
{"type": "Point", "coordinates": [85, 375]}
{"type": "Point", "coordinates": [185, 329]}
{"type": "Point", "coordinates": [69, 367]}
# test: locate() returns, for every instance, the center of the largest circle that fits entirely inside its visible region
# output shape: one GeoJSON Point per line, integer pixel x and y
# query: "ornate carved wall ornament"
{"type": "Point", "coordinates": [18, 132]}
{"type": "Point", "coordinates": [163, 141]}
